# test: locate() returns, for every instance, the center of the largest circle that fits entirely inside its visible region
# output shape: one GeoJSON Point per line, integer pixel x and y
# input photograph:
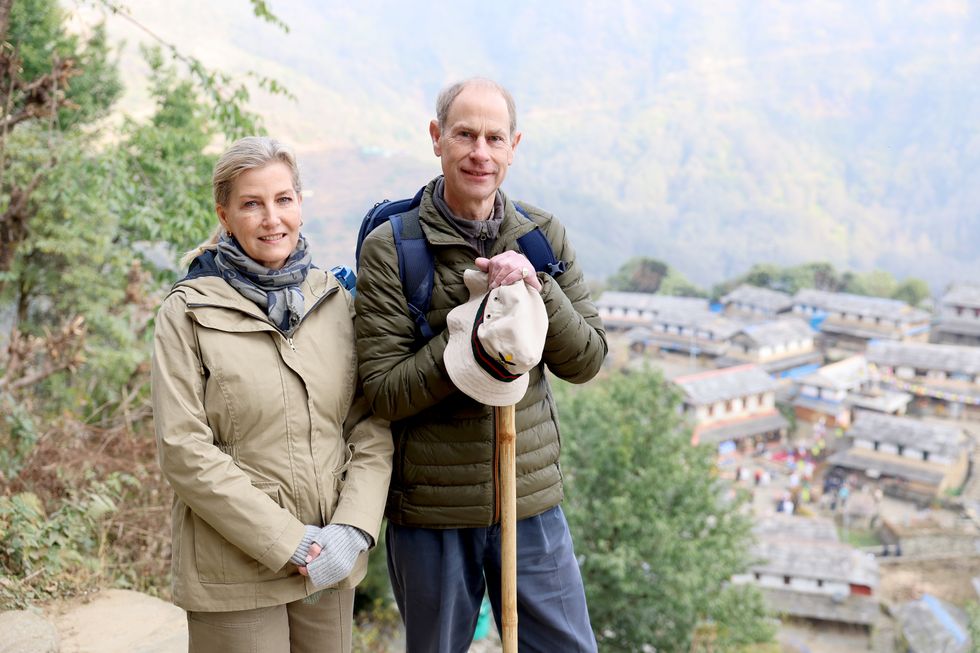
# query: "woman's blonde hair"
{"type": "Point", "coordinates": [244, 154]}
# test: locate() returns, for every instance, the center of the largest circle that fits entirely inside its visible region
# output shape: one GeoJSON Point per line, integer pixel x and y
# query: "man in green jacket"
{"type": "Point", "coordinates": [443, 511]}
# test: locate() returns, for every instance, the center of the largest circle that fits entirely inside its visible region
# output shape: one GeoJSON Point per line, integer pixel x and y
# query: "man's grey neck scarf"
{"type": "Point", "coordinates": [277, 292]}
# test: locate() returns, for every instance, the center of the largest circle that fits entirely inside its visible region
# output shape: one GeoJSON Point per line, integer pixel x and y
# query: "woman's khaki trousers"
{"type": "Point", "coordinates": [321, 627]}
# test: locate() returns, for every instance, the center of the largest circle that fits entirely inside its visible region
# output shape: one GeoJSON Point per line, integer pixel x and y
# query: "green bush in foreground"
{"type": "Point", "coordinates": [656, 535]}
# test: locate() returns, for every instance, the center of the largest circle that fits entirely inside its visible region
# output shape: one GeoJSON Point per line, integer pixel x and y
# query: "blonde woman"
{"type": "Point", "coordinates": [279, 470]}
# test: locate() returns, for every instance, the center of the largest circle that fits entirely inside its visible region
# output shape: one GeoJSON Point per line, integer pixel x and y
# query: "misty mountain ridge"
{"type": "Point", "coordinates": [709, 135]}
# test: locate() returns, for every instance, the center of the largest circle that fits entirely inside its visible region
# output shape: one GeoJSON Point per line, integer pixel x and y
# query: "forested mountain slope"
{"type": "Point", "coordinates": [711, 135]}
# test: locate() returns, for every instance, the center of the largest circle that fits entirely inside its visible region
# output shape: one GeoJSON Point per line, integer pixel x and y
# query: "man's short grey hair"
{"type": "Point", "coordinates": [449, 94]}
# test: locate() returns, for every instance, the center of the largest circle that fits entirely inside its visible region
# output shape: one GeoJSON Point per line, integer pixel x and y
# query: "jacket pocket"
{"type": "Point", "coordinates": [339, 479]}
{"type": "Point", "coordinates": [220, 561]}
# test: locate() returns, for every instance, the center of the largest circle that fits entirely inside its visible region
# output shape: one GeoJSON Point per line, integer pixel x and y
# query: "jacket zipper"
{"type": "Point", "coordinates": [496, 468]}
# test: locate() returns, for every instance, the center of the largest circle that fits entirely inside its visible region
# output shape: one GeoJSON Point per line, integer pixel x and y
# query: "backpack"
{"type": "Point", "coordinates": [416, 264]}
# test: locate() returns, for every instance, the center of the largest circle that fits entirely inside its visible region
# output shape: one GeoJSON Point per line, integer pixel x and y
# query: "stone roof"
{"type": "Point", "coordinates": [935, 438]}
{"type": "Point", "coordinates": [952, 325]}
{"type": "Point", "coordinates": [778, 332]}
{"type": "Point", "coordinates": [889, 464]}
{"type": "Point", "coordinates": [643, 301]}
{"type": "Point", "coordinates": [853, 609]}
{"type": "Point", "coordinates": [963, 294]}
{"type": "Point", "coordinates": [728, 383]}
{"type": "Point", "coordinates": [814, 559]}
{"type": "Point", "coordinates": [931, 624]}
{"type": "Point", "coordinates": [741, 428]}
{"type": "Point", "coordinates": [889, 309]}
{"type": "Point", "coordinates": [768, 300]}
{"type": "Point", "coordinates": [842, 375]}
{"type": "Point", "coordinates": [793, 526]}
{"type": "Point", "coordinates": [948, 358]}
{"type": "Point", "coordinates": [703, 321]}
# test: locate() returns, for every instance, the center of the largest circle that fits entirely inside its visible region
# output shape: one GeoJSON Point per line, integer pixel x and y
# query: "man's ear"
{"type": "Point", "coordinates": [435, 134]}
{"type": "Point", "coordinates": [513, 147]}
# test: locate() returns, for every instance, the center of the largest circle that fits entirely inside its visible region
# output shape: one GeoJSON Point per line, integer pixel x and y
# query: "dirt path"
{"type": "Point", "coordinates": [120, 621]}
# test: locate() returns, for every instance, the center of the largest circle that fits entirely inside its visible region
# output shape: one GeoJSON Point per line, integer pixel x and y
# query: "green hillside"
{"type": "Point", "coordinates": [711, 135]}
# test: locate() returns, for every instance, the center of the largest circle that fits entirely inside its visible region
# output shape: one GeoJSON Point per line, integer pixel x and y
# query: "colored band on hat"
{"type": "Point", "coordinates": [495, 368]}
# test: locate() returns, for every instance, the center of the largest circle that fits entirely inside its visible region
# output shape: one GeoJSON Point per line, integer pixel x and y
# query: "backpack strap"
{"type": "Point", "coordinates": [346, 277]}
{"type": "Point", "coordinates": [416, 268]}
{"type": "Point", "coordinates": [538, 251]}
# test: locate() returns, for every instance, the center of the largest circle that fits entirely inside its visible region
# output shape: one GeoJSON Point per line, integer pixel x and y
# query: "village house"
{"type": "Point", "coordinates": [803, 570]}
{"type": "Point", "coordinates": [945, 379]}
{"type": "Point", "coordinates": [776, 346]}
{"type": "Point", "coordinates": [755, 303]}
{"type": "Point", "coordinates": [695, 332]}
{"type": "Point", "coordinates": [851, 321]}
{"type": "Point", "coordinates": [906, 457]}
{"type": "Point", "coordinates": [959, 316]}
{"type": "Point", "coordinates": [734, 404]}
{"type": "Point", "coordinates": [625, 310]}
{"type": "Point", "coordinates": [830, 394]}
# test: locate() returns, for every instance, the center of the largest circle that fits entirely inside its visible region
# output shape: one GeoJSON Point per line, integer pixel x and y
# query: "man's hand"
{"type": "Point", "coordinates": [507, 268]}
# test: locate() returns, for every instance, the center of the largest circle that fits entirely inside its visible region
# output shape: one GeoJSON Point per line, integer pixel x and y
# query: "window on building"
{"type": "Point", "coordinates": [786, 580]}
{"type": "Point", "coordinates": [758, 576]}
{"type": "Point", "coordinates": [925, 455]}
{"type": "Point", "coordinates": [819, 582]}
{"type": "Point", "coordinates": [876, 445]}
{"type": "Point", "coordinates": [901, 449]}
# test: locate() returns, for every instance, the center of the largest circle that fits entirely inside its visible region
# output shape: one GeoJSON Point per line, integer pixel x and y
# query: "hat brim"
{"type": "Point", "coordinates": [463, 369]}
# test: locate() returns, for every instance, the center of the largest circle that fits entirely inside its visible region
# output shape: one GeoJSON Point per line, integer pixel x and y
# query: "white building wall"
{"type": "Point", "coordinates": [887, 447]}
{"type": "Point", "coordinates": [861, 443]}
{"type": "Point", "coordinates": [769, 400]}
{"type": "Point", "coordinates": [832, 587]}
{"type": "Point", "coordinates": [810, 391]}
{"type": "Point", "coordinates": [833, 395]}
{"type": "Point", "coordinates": [738, 406]}
{"type": "Point", "coordinates": [909, 452]}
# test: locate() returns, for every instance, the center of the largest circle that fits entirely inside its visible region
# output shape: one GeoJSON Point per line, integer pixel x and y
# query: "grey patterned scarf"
{"type": "Point", "coordinates": [277, 292]}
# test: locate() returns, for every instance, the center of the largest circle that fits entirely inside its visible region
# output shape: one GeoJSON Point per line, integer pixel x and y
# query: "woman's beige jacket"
{"type": "Point", "coordinates": [260, 434]}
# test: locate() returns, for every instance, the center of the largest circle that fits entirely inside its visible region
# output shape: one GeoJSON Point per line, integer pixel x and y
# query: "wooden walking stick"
{"type": "Point", "coordinates": [507, 439]}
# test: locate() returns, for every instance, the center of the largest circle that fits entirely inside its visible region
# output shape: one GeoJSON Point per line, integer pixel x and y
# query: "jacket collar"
{"type": "Point", "coordinates": [205, 292]}
{"type": "Point", "coordinates": [439, 232]}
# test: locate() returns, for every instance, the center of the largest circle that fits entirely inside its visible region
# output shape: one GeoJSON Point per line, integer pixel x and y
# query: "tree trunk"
{"type": "Point", "coordinates": [5, 6]}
